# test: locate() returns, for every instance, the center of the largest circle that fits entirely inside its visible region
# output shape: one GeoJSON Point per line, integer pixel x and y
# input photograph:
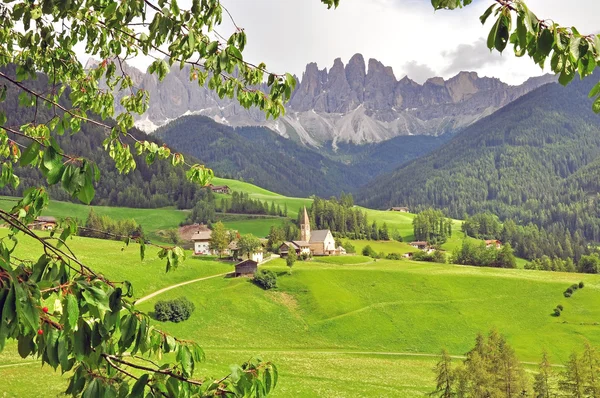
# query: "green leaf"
{"type": "Point", "coordinates": [596, 105]}
{"type": "Point", "coordinates": [51, 159]}
{"type": "Point", "coordinates": [71, 309]}
{"type": "Point", "coordinates": [94, 389]}
{"type": "Point", "coordinates": [487, 13]}
{"type": "Point", "coordinates": [595, 90]}
{"type": "Point", "coordinates": [25, 346]}
{"type": "Point", "coordinates": [545, 42]}
{"type": "Point", "coordinates": [110, 10]}
{"type": "Point", "coordinates": [26, 308]}
{"type": "Point", "coordinates": [137, 391]}
{"type": "Point", "coordinates": [30, 154]}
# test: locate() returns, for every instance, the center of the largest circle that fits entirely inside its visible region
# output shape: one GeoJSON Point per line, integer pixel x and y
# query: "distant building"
{"type": "Point", "coordinates": [321, 242]}
{"type": "Point", "coordinates": [44, 223]}
{"type": "Point", "coordinates": [300, 247]}
{"type": "Point", "coordinates": [201, 241]}
{"type": "Point", "coordinates": [400, 209]}
{"type": "Point", "coordinates": [341, 251]}
{"type": "Point", "coordinates": [420, 245]}
{"type": "Point", "coordinates": [234, 250]}
{"type": "Point", "coordinates": [408, 255]}
{"type": "Point", "coordinates": [246, 268]}
{"type": "Point", "coordinates": [493, 243]}
{"type": "Point", "coordinates": [219, 188]}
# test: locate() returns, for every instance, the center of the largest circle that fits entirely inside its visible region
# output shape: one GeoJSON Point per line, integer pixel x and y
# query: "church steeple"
{"type": "Point", "coordinates": [305, 227]}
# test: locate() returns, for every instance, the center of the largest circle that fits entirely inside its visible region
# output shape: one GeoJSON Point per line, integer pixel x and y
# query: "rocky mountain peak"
{"type": "Point", "coordinates": [358, 102]}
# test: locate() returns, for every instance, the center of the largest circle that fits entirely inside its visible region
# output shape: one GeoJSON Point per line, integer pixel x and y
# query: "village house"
{"type": "Point", "coordinates": [234, 251]}
{"type": "Point", "coordinates": [246, 268]}
{"type": "Point", "coordinates": [201, 241]}
{"type": "Point", "coordinates": [421, 245]}
{"type": "Point", "coordinates": [44, 223]}
{"type": "Point", "coordinates": [300, 247]}
{"type": "Point", "coordinates": [400, 209]}
{"type": "Point", "coordinates": [219, 188]}
{"type": "Point", "coordinates": [493, 243]}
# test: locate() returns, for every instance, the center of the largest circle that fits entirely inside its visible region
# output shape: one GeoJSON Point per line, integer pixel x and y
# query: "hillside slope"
{"type": "Point", "coordinates": [261, 156]}
{"type": "Point", "coordinates": [527, 161]}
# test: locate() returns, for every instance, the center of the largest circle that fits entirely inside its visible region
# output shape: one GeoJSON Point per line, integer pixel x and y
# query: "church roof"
{"type": "Point", "coordinates": [318, 236]}
{"type": "Point", "coordinates": [305, 219]}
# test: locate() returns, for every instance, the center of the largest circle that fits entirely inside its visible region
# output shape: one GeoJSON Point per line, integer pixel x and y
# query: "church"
{"type": "Point", "coordinates": [317, 243]}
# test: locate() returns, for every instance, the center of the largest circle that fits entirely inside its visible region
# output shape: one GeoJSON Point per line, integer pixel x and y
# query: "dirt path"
{"type": "Point", "coordinates": [166, 289]}
{"type": "Point", "coordinates": [334, 352]}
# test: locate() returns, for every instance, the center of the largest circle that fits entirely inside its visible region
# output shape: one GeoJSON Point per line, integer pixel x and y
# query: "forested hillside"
{"type": "Point", "coordinates": [536, 160]}
{"type": "Point", "coordinates": [261, 156]}
{"type": "Point", "coordinates": [152, 186]}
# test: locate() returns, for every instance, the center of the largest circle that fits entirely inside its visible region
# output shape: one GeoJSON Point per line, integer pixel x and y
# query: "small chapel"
{"type": "Point", "coordinates": [316, 243]}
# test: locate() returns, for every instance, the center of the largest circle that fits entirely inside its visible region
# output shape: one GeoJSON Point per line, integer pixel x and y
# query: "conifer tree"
{"type": "Point", "coordinates": [445, 377]}
{"type": "Point", "coordinates": [543, 386]}
{"type": "Point", "coordinates": [572, 382]}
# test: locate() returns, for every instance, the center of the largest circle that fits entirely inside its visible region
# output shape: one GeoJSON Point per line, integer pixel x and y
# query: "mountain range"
{"type": "Point", "coordinates": [360, 103]}
{"type": "Point", "coordinates": [535, 160]}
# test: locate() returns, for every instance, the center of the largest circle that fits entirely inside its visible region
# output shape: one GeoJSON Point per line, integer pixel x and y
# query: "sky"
{"type": "Point", "coordinates": [404, 34]}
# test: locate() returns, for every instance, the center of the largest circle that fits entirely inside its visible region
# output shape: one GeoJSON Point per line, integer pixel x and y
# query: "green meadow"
{"type": "Point", "coordinates": [332, 315]}
{"type": "Point", "coordinates": [293, 204]}
{"type": "Point", "coordinates": [335, 315]}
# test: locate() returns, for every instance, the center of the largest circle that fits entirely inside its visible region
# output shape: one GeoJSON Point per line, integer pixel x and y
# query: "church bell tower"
{"type": "Point", "coordinates": [305, 227]}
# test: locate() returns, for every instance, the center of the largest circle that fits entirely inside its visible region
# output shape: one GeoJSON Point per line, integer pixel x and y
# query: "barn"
{"type": "Point", "coordinates": [246, 268]}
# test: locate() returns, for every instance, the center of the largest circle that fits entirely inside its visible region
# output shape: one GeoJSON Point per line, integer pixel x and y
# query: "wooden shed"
{"type": "Point", "coordinates": [246, 268]}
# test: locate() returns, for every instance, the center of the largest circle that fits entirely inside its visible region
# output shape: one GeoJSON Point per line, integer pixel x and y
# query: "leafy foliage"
{"type": "Point", "coordinates": [481, 256]}
{"type": "Point", "coordinates": [266, 279]}
{"type": "Point", "coordinates": [177, 310]}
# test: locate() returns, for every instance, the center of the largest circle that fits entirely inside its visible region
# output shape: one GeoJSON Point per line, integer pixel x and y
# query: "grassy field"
{"type": "Point", "coordinates": [293, 204]}
{"type": "Point", "coordinates": [333, 316]}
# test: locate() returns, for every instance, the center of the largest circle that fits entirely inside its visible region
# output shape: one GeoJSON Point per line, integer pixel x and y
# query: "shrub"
{"type": "Point", "coordinates": [380, 255]}
{"type": "Point", "coordinates": [265, 279]}
{"type": "Point", "coordinates": [350, 249]}
{"type": "Point", "coordinates": [556, 312]}
{"type": "Point", "coordinates": [581, 285]}
{"type": "Point", "coordinates": [368, 251]}
{"type": "Point", "coordinates": [574, 286]}
{"type": "Point", "coordinates": [560, 307]}
{"type": "Point", "coordinates": [567, 294]}
{"type": "Point", "coordinates": [393, 256]}
{"type": "Point", "coordinates": [569, 290]}
{"type": "Point", "coordinates": [177, 310]}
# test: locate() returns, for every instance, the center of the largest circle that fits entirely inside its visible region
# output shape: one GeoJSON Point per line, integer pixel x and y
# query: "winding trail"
{"type": "Point", "coordinates": [166, 289]}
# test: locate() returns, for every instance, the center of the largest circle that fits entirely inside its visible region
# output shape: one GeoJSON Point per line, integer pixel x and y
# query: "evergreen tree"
{"type": "Point", "coordinates": [572, 382]}
{"type": "Point", "coordinates": [445, 378]}
{"type": "Point", "coordinates": [590, 361]}
{"type": "Point", "coordinates": [543, 386]}
{"type": "Point", "coordinates": [384, 233]}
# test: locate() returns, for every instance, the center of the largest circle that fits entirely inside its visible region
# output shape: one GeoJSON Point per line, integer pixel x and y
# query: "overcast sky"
{"type": "Point", "coordinates": [404, 34]}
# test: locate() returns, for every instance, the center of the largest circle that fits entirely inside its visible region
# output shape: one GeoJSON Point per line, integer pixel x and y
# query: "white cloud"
{"type": "Point", "coordinates": [404, 34]}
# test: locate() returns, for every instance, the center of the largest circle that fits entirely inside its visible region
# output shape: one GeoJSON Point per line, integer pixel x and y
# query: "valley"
{"type": "Point", "coordinates": [180, 219]}
{"type": "Point", "coordinates": [329, 318]}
